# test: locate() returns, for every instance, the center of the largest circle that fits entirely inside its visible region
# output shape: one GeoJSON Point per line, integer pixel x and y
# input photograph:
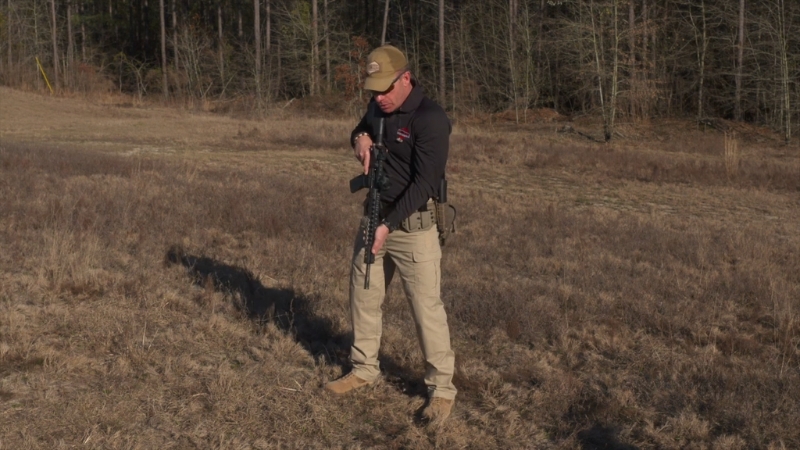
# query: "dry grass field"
{"type": "Point", "coordinates": [176, 279]}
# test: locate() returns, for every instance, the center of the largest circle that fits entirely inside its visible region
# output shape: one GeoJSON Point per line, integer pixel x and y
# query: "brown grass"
{"type": "Point", "coordinates": [177, 289]}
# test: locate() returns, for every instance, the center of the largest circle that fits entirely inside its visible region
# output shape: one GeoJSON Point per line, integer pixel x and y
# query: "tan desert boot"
{"type": "Point", "coordinates": [346, 384]}
{"type": "Point", "coordinates": [438, 410]}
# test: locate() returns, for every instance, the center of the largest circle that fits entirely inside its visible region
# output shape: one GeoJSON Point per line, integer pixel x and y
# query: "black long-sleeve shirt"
{"type": "Point", "coordinates": [417, 136]}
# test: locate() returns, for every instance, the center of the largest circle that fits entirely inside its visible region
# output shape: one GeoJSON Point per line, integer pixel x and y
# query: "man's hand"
{"type": "Point", "coordinates": [361, 150]}
{"type": "Point", "coordinates": [380, 237]}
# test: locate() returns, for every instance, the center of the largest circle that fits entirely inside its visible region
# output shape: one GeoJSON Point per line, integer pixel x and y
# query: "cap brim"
{"type": "Point", "coordinates": [378, 83]}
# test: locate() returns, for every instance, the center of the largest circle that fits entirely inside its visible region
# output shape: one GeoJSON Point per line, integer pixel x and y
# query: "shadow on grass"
{"type": "Point", "coordinates": [291, 312]}
{"type": "Point", "coordinates": [600, 437]}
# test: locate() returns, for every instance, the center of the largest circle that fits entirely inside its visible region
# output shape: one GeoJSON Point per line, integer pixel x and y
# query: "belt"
{"type": "Point", "coordinates": [429, 206]}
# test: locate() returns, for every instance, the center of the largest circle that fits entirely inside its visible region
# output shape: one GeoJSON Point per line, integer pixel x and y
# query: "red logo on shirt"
{"type": "Point", "coordinates": [403, 134]}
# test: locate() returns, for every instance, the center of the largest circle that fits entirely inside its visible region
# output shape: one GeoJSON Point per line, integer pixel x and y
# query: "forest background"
{"type": "Point", "coordinates": [617, 59]}
{"type": "Point", "coordinates": [156, 290]}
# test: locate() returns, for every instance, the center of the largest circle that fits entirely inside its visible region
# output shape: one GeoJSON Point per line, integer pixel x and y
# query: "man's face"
{"type": "Point", "coordinates": [392, 98]}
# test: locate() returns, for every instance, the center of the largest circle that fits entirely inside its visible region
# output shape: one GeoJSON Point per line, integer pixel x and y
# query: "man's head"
{"type": "Point", "coordinates": [388, 78]}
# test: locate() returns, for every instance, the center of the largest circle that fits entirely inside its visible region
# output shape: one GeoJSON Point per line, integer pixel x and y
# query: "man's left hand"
{"type": "Point", "coordinates": [380, 237]}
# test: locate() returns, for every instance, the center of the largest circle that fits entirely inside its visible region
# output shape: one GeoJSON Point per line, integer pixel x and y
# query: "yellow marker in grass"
{"type": "Point", "coordinates": [44, 74]}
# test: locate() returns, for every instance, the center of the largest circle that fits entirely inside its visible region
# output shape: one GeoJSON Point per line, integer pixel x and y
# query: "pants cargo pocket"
{"type": "Point", "coordinates": [427, 256]}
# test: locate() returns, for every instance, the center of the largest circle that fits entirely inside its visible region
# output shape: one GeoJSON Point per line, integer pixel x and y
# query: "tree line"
{"type": "Point", "coordinates": [619, 59]}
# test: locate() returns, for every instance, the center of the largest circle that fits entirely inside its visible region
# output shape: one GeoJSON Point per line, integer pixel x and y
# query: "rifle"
{"type": "Point", "coordinates": [376, 181]}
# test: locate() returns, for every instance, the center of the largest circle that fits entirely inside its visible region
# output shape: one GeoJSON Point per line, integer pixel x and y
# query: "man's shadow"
{"type": "Point", "coordinates": [601, 437]}
{"type": "Point", "coordinates": [290, 312]}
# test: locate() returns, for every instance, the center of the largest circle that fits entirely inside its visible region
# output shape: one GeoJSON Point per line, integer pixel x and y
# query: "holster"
{"type": "Point", "coordinates": [445, 220]}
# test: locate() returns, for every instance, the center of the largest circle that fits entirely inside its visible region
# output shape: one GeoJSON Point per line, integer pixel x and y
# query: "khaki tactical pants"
{"type": "Point", "coordinates": [416, 256]}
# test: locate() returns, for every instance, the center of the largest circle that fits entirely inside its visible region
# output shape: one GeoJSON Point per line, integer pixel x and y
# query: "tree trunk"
{"type": "Point", "coordinates": [740, 63]}
{"type": "Point", "coordinates": [163, 22]}
{"type": "Point", "coordinates": [54, 34]}
{"type": "Point", "coordinates": [599, 68]}
{"type": "Point", "coordinates": [36, 37]}
{"type": "Point", "coordinates": [10, 39]}
{"type": "Point", "coordinates": [83, 33]}
{"type": "Point", "coordinates": [268, 46]}
{"type": "Point", "coordinates": [365, 8]}
{"type": "Point", "coordinates": [279, 74]}
{"type": "Point", "coordinates": [221, 48]}
{"type": "Point", "coordinates": [385, 21]}
{"type": "Point", "coordinates": [785, 80]}
{"type": "Point", "coordinates": [326, 30]}
{"type": "Point", "coordinates": [512, 66]}
{"type": "Point", "coordinates": [632, 34]}
{"type": "Point", "coordinates": [268, 32]}
{"type": "Point", "coordinates": [539, 39]}
{"type": "Point", "coordinates": [111, 18]}
{"type": "Point", "coordinates": [702, 47]}
{"type": "Point", "coordinates": [442, 75]}
{"type": "Point", "coordinates": [615, 77]}
{"type": "Point", "coordinates": [645, 35]}
{"type": "Point", "coordinates": [146, 26]}
{"type": "Point", "coordinates": [70, 44]}
{"type": "Point", "coordinates": [314, 48]}
{"type": "Point", "coordinates": [635, 98]}
{"type": "Point", "coordinates": [175, 35]}
{"type": "Point", "coordinates": [257, 33]}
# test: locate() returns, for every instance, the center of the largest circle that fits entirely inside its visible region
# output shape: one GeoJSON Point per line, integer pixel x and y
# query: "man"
{"type": "Point", "coordinates": [416, 134]}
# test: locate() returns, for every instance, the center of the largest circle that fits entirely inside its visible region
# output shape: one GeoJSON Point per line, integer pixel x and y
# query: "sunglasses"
{"type": "Point", "coordinates": [391, 86]}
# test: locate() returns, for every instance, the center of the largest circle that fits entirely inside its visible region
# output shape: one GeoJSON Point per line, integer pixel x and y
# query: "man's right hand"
{"type": "Point", "coordinates": [363, 144]}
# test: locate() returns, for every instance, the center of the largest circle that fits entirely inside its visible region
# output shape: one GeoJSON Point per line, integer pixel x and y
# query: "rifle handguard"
{"type": "Point", "coordinates": [376, 181]}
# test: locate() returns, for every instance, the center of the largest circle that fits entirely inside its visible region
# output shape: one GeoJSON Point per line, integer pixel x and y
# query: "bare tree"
{"type": "Point", "coordinates": [314, 48]}
{"type": "Point", "coordinates": [268, 47]}
{"type": "Point", "coordinates": [632, 104]}
{"type": "Point", "coordinates": [783, 44]}
{"type": "Point", "coordinates": [740, 63]}
{"type": "Point", "coordinates": [385, 21]}
{"type": "Point", "coordinates": [70, 43]}
{"type": "Point", "coordinates": [512, 66]}
{"type": "Point", "coordinates": [608, 106]}
{"type": "Point", "coordinates": [268, 32]}
{"type": "Point", "coordinates": [10, 38]}
{"type": "Point", "coordinates": [83, 32]}
{"type": "Point", "coordinates": [164, 86]}
{"type": "Point", "coordinates": [175, 35]}
{"type": "Point", "coordinates": [54, 34]}
{"type": "Point", "coordinates": [701, 41]}
{"type": "Point", "coordinates": [614, 77]}
{"type": "Point", "coordinates": [220, 46]}
{"type": "Point", "coordinates": [327, 32]}
{"type": "Point", "coordinates": [442, 76]}
{"type": "Point", "coordinates": [257, 32]}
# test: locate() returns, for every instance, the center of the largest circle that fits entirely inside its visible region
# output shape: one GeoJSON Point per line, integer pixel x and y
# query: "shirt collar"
{"type": "Point", "coordinates": [413, 100]}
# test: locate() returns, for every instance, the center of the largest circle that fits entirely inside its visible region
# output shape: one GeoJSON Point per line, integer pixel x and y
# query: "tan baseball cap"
{"type": "Point", "coordinates": [382, 67]}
